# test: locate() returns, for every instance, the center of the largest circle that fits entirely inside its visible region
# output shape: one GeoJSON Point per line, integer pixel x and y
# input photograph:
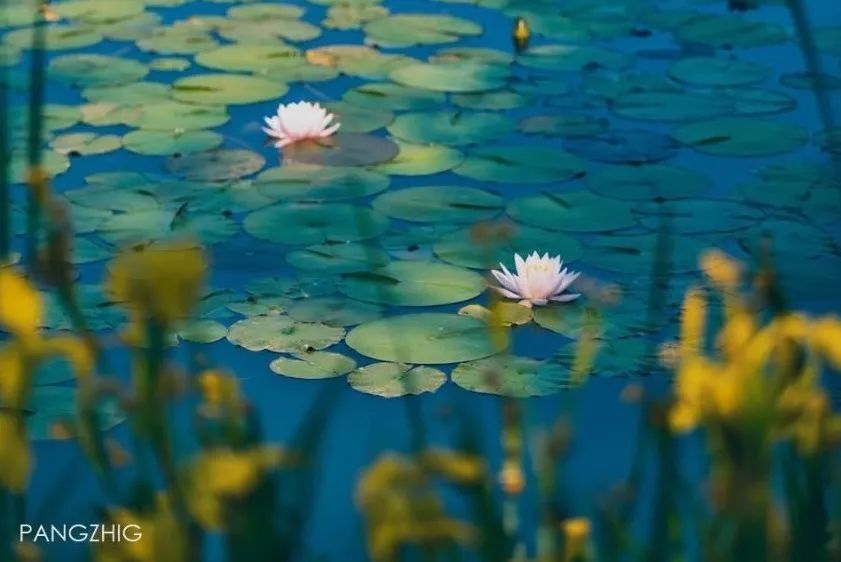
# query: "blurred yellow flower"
{"type": "Point", "coordinates": [21, 307]}
{"type": "Point", "coordinates": [460, 468]}
{"type": "Point", "coordinates": [576, 532]}
{"type": "Point", "coordinates": [15, 456]}
{"type": "Point", "coordinates": [693, 323]}
{"type": "Point", "coordinates": [705, 389]}
{"type": "Point", "coordinates": [163, 538]}
{"type": "Point", "coordinates": [217, 388]}
{"type": "Point", "coordinates": [160, 282]}
{"type": "Point", "coordinates": [825, 336]}
{"type": "Point", "coordinates": [722, 270]}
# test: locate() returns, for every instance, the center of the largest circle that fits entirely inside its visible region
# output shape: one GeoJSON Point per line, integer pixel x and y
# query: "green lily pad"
{"type": "Point", "coordinates": [564, 125]}
{"type": "Point", "coordinates": [356, 119]}
{"type": "Point", "coordinates": [57, 37]}
{"type": "Point", "coordinates": [342, 149]}
{"type": "Point", "coordinates": [632, 253]}
{"type": "Point", "coordinates": [730, 31]}
{"type": "Point", "coordinates": [164, 143]}
{"type": "Point", "coordinates": [314, 365]}
{"type": "Point", "coordinates": [393, 96]}
{"type": "Point", "coordinates": [226, 89]}
{"type": "Point", "coordinates": [172, 116]}
{"type": "Point", "coordinates": [357, 60]}
{"type": "Point", "coordinates": [697, 216]}
{"type": "Point", "coordinates": [98, 11]}
{"type": "Point", "coordinates": [670, 106]}
{"type": "Point", "coordinates": [574, 211]}
{"type": "Point", "coordinates": [514, 377]}
{"type": "Point", "coordinates": [130, 93]}
{"type": "Point", "coordinates": [216, 165]}
{"type": "Point", "coordinates": [741, 136]}
{"type": "Point", "coordinates": [52, 162]}
{"type": "Point", "coordinates": [405, 30]}
{"type": "Point", "coordinates": [421, 160]}
{"type": "Point", "coordinates": [717, 73]}
{"type": "Point", "coordinates": [312, 223]}
{"type": "Point", "coordinates": [452, 204]}
{"type": "Point", "coordinates": [393, 380]}
{"type": "Point", "coordinates": [458, 77]}
{"type": "Point", "coordinates": [267, 31]}
{"type": "Point", "coordinates": [265, 11]}
{"type": "Point", "coordinates": [464, 248]}
{"type": "Point", "coordinates": [413, 283]}
{"type": "Point", "coordinates": [497, 100]}
{"type": "Point", "coordinates": [452, 128]}
{"type": "Point", "coordinates": [473, 54]}
{"type": "Point", "coordinates": [96, 70]}
{"type": "Point", "coordinates": [520, 164]}
{"type": "Point", "coordinates": [338, 258]}
{"type": "Point", "coordinates": [104, 114]}
{"type": "Point", "coordinates": [202, 331]}
{"type": "Point", "coordinates": [169, 64]}
{"type": "Point", "coordinates": [180, 40]}
{"type": "Point", "coordinates": [281, 334]}
{"type": "Point", "coordinates": [85, 143]}
{"type": "Point", "coordinates": [616, 357]}
{"type": "Point", "coordinates": [252, 57]}
{"type": "Point", "coordinates": [319, 183]}
{"type": "Point", "coordinates": [506, 313]}
{"type": "Point", "coordinates": [423, 339]}
{"type": "Point", "coordinates": [624, 147]}
{"type": "Point", "coordinates": [574, 58]}
{"type": "Point", "coordinates": [647, 182]}
{"type": "Point", "coordinates": [352, 16]}
{"type": "Point", "coordinates": [157, 224]}
{"type": "Point", "coordinates": [567, 319]}
{"type": "Point", "coordinates": [759, 102]}
{"type": "Point", "coordinates": [335, 311]}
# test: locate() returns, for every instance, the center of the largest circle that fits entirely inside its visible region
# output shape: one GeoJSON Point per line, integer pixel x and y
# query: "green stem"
{"type": "Point", "coordinates": [5, 203]}
{"type": "Point", "coordinates": [36, 126]}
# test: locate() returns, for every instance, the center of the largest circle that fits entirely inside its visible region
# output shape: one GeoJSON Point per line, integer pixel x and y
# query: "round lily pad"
{"type": "Point", "coordinates": [312, 223]}
{"type": "Point", "coordinates": [156, 224]}
{"type": "Point", "coordinates": [453, 128]}
{"type": "Point", "coordinates": [759, 102]}
{"type": "Point", "coordinates": [574, 58]}
{"type": "Point", "coordinates": [338, 258]}
{"type": "Point", "coordinates": [647, 182]}
{"type": "Point", "coordinates": [393, 96]}
{"type": "Point", "coordinates": [75, 144]}
{"type": "Point", "coordinates": [260, 58]}
{"type": "Point", "coordinates": [451, 204]}
{"type": "Point", "coordinates": [202, 331]}
{"type": "Point", "coordinates": [172, 116]}
{"type": "Point", "coordinates": [497, 100]}
{"type": "Point", "coordinates": [405, 30]}
{"type": "Point", "coordinates": [728, 31]}
{"type": "Point", "coordinates": [265, 11]}
{"type": "Point", "coordinates": [96, 70]}
{"type": "Point", "coordinates": [226, 89]}
{"type": "Point", "coordinates": [811, 81]}
{"type": "Point", "coordinates": [313, 365]}
{"type": "Point", "coordinates": [503, 314]}
{"type": "Point", "coordinates": [741, 136]}
{"type": "Point", "coordinates": [421, 160]}
{"type": "Point", "coordinates": [574, 211]}
{"type": "Point", "coordinates": [282, 334]}
{"type": "Point", "coordinates": [216, 165]}
{"type": "Point", "coordinates": [267, 31]}
{"type": "Point", "coordinates": [180, 40]}
{"type": "Point", "coordinates": [314, 183]}
{"type": "Point", "coordinates": [352, 16]}
{"type": "Point", "coordinates": [566, 319]}
{"type": "Point", "coordinates": [413, 283]}
{"type": "Point", "coordinates": [164, 143]}
{"type": "Point", "coordinates": [670, 106]}
{"type": "Point", "coordinates": [393, 380]}
{"type": "Point", "coordinates": [696, 216]}
{"type": "Point", "coordinates": [452, 77]}
{"type": "Point", "coordinates": [335, 311]}
{"type": "Point", "coordinates": [98, 11]}
{"type": "Point", "coordinates": [632, 253]}
{"type": "Point", "coordinates": [423, 339]}
{"type": "Point", "coordinates": [718, 72]}
{"type": "Point", "coordinates": [357, 60]}
{"type": "Point", "coordinates": [564, 125]}
{"type": "Point", "coordinates": [57, 37]}
{"type": "Point", "coordinates": [356, 119]}
{"type": "Point", "coordinates": [624, 147]}
{"type": "Point", "coordinates": [130, 93]}
{"type": "Point", "coordinates": [467, 249]}
{"type": "Point", "coordinates": [520, 164]}
{"type": "Point", "coordinates": [514, 377]}
{"type": "Point", "coordinates": [342, 149]}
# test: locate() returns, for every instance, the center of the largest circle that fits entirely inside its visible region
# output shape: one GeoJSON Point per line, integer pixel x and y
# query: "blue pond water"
{"type": "Point", "coordinates": [361, 426]}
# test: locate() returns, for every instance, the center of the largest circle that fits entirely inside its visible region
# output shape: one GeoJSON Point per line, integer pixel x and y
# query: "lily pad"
{"type": "Point", "coordinates": [405, 30]}
{"type": "Point", "coordinates": [520, 164]}
{"type": "Point", "coordinates": [393, 380]}
{"type": "Point", "coordinates": [164, 143]}
{"type": "Point", "coordinates": [319, 183]}
{"type": "Point", "coordinates": [730, 31]}
{"type": "Point", "coordinates": [497, 100]}
{"type": "Point", "coordinates": [356, 119]}
{"type": "Point", "coordinates": [226, 89]}
{"type": "Point", "coordinates": [697, 216]}
{"type": "Point", "coordinates": [96, 70]}
{"type": "Point", "coordinates": [574, 211]}
{"type": "Point", "coordinates": [564, 125]}
{"type": "Point", "coordinates": [57, 37]}
{"type": "Point", "coordinates": [451, 204]}
{"type": "Point", "coordinates": [338, 258]}
{"type": "Point", "coordinates": [157, 224]}
{"type": "Point", "coordinates": [468, 249]}
{"type": "Point", "coordinates": [259, 58]}
{"type": "Point", "coordinates": [172, 116]}
{"type": "Point", "coordinates": [412, 283]}
{"type": "Point", "coordinates": [202, 331]}
{"type": "Point", "coordinates": [452, 128]}
{"type": "Point", "coordinates": [216, 165]}
{"type": "Point", "coordinates": [459, 77]}
{"type": "Point", "coordinates": [312, 223]}
{"type": "Point", "coordinates": [423, 339]}
{"type": "Point", "coordinates": [335, 311]}
{"type": "Point", "coordinates": [670, 106]}
{"type": "Point", "coordinates": [76, 144]}
{"type": "Point", "coordinates": [647, 182]}
{"type": "Point", "coordinates": [514, 377]}
{"type": "Point", "coordinates": [393, 96]}
{"type": "Point", "coordinates": [567, 319]}
{"type": "Point", "coordinates": [503, 314]}
{"type": "Point", "coordinates": [574, 58]}
{"type": "Point", "coordinates": [282, 334]}
{"type": "Point", "coordinates": [634, 253]}
{"type": "Point", "coordinates": [624, 147]}
{"type": "Point", "coordinates": [741, 136]}
{"type": "Point", "coordinates": [130, 93]}
{"type": "Point", "coordinates": [313, 365]}
{"type": "Point", "coordinates": [181, 40]}
{"type": "Point", "coordinates": [342, 149]}
{"type": "Point", "coordinates": [713, 72]}
{"type": "Point", "coordinates": [421, 160]}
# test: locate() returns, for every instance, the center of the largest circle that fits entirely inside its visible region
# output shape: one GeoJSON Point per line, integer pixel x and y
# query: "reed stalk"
{"type": "Point", "coordinates": [5, 150]}
{"type": "Point", "coordinates": [37, 72]}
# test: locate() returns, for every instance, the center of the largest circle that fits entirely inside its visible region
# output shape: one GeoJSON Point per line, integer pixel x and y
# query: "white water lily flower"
{"type": "Point", "coordinates": [538, 280]}
{"type": "Point", "coordinates": [299, 121]}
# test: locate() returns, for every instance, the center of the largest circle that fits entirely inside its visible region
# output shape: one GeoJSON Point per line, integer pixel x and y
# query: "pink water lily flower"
{"type": "Point", "coordinates": [538, 280]}
{"type": "Point", "coordinates": [300, 121]}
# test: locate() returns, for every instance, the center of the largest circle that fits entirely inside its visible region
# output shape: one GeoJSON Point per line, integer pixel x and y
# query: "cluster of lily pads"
{"type": "Point", "coordinates": [381, 238]}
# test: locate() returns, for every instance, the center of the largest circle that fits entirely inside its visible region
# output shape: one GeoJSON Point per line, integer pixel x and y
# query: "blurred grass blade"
{"type": "Point", "coordinates": [37, 72]}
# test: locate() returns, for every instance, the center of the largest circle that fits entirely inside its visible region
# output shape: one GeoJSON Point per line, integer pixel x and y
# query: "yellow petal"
{"type": "Point", "coordinates": [21, 308]}
{"type": "Point", "coordinates": [693, 322]}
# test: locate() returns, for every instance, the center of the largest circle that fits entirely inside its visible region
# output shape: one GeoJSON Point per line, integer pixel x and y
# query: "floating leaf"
{"type": "Point", "coordinates": [74, 144]}
{"type": "Point", "coordinates": [226, 89]}
{"type": "Point", "coordinates": [670, 106]}
{"type": "Point", "coordinates": [311, 223]}
{"type": "Point", "coordinates": [96, 70]}
{"type": "Point", "coordinates": [728, 31]}
{"type": "Point", "coordinates": [624, 147]}
{"type": "Point", "coordinates": [335, 311]}
{"type": "Point", "coordinates": [57, 37]}
{"type": "Point", "coordinates": [421, 160]}
{"type": "Point", "coordinates": [338, 258]}
{"type": "Point", "coordinates": [313, 365]}
{"type": "Point", "coordinates": [216, 165]}
{"type": "Point", "coordinates": [574, 58]}
{"type": "Point", "coordinates": [393, 96]}
{"type": "Point", "coordinates": [514, 377]}
{"type": "Point", "coordinates": [314, 183]}
{"type": "Point", "coordinates": [202, 331]}
{"type": "Point", "coordinates": [260, 58]}
{"type": "Point", "coordinates": [393, 380]}
{"type": "Point", "coordinates": [647, 182]}
{"type": "Point", "coordinates": [574, 211]}
{"type": "Point", "coordinates": [564, 125]}
{"type": "Point", "coordinates": [452, 77]}
{"type": "Point", "coordinates": [405, 30]}
{"type": "Point", "coordinates": [716, 73]}
{"type": "Point", "coordinates": [172, 116]}
{"type": "Point", "coordinates": [281, 334]}
{"type": "Point", "coordinates": [412, 283]}
{"type": "Point", "coordinates": [342, 149]}
{"type": "Point", "coordinates": [125, 94]}
{"type": "Point", "coordinates": [503, 313]}
{"type": "Point", "coordinates": [741, 136]}
{"type": "Point", "coordinates": [696, 216]}
{"type": "Point", "coordinates": [520, 164]}
{"type": "Point", "coordinates": [164, 143]}
{"type": "Point", "coordinates": [355, 119]}
{"type": "Point", "coordinates": [451, 204]}
{"type": "Point", "coordinates": [452, 128]}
